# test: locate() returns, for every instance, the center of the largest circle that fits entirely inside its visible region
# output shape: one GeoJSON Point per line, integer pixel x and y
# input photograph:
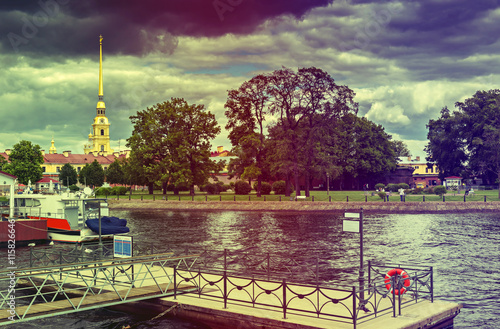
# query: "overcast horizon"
{"type": "Point", "coordinates": [405, 60]}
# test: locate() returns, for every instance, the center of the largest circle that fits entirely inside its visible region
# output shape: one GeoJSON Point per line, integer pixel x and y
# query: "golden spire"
{"type": "Point", "coordinates": [100, 103]}
{"type": "Point", "coordinates": [52, 149]}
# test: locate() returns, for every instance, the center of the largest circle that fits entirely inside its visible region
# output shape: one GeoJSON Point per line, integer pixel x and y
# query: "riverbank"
{"type": "Point", "coordinates": [372, 207]}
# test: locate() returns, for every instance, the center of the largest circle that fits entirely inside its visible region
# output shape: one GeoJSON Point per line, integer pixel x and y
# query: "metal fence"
{"type": "Point", "coordinates": [384, 294]}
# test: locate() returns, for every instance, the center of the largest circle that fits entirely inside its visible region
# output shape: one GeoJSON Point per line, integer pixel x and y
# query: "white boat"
{"type": "Point", "coordinates": [65, 214]}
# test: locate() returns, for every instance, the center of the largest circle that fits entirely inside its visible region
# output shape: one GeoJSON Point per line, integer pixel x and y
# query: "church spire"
{"type": "Point", "coordinates": [101, 107]}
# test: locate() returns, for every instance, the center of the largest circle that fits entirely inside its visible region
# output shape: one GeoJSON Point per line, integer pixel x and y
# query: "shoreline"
{"type": "Point", "coordinates": [308, 206]}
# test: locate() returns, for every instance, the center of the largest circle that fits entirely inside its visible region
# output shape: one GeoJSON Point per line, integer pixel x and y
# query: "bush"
{"type": "Point", "coordinates": [74, 188]}
{"type": "Point", "coordinates": [180, 187]}
{"type": "Point", "coordinates": [404, 186]}
{"type": "Point", "coordinates": [440, 190]}
{"type": "Point", "coordinates": [379, 185]}
{"type": "Point", "coordinates": [119, 190]}
{"type": "Point", "coordinates": [279, 187]}
{"type": "Point", "coordinates": [382, 195]}
{"type": "Point", "coordinates": [103, 191]}
{"type": "Point", "coordinates": [211, 189]}
{"type": "Point", "coordinates": [392, 187]}
{"type": "Point", "coordinates": [232, 185]}
{"type": "Point", "coordinates": [417, 190]}
{"type": "Point", "coordinates": [265, 188]}
{"type": "Point", "coordinates": [226, 187]}
{"type": "Point", "coordinates": [242, 188]}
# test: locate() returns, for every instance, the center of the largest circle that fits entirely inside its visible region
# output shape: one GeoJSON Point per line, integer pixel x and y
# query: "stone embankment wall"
{"type": "Point", "coordinates": [372, 207]}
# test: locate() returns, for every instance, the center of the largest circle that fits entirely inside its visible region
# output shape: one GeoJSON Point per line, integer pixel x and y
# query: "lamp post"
{"type": "Point", "coordinates": [327, 184]}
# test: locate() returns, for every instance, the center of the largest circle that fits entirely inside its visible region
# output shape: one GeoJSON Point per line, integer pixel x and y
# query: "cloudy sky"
{"type": "Point", "coordinates": [404, 59]}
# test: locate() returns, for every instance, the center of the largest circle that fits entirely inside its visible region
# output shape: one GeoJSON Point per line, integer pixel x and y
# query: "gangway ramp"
{"type": "Point", "coordinates": [61, 289]}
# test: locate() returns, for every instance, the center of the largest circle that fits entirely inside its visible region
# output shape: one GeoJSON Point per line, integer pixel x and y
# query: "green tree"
{"type": "Point", "coordinates": [446, 147]}
{"type": "Point", "coordinates": [3, 163]}
{"type": "Point", "coordinates": [92, 174]}
{"type": "Point", "coordinates": [171, 141]}
{"type": "Point", "coordinates": [68, 175]}
{"type": "Point", "coordinates": [364, 151]}
{"type": "Point", "coordinates": [25, 162]}
{"type": "Point", "coordinates": [114, 173]}
{"type": "Point", "coordinates": [465, 142]}
{"type": "Point", "coordinates": [246, 111]}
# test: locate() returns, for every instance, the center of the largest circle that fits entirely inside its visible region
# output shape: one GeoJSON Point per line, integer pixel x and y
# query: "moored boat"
{"type": "Point", "coordinates": [65, 214]}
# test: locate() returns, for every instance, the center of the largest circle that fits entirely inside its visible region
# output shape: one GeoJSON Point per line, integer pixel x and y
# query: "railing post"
{"type": "Point", "coordinates": [179, 197]}
{"type": "Point", "coordinates": [225, 289]}
{"type": "Point", "coordinates": [366, 198]}
{"type": "Point", "coordinates": [432, 285]}
{"type": "Point", "coordinates": [220, 197]}
{"type": "Point", "coordinates": [347, 198]}
{"type": "Point", "coordinates": [264, 198]}
{"type": "Point", "coordinates": [312, 198]}
{"type": "Point", "coordinates": [423, 198]}
{"type": "Point", "coordinates": [444, 200]}
{"type": "Point", "coordinates": [280, 198]}
{"type": "Point", "coordinates": [31, 256]}
{"type": "Point", "coordinates": [225, 259]}
{"type": "Point", "coordinates": [154, 197]}
{"type": "Point", "coordinates": [330, 198]}
{"type": "Point", "coordinates": [175, 281]}
{"type": "Point", "coordinates": [284, 299]}
{"type": "Point", "coordinates": [192, 197]}
{"type": "Point", "coordinates": [485, 198]}
{"type": "Point", "coordinates": [464, 197]}
{"type": "Point", "coordinates": [393, 287]}
{"type": "Point", "coordinates": [268, 267]}
{"type": "Point", "coordinates": [206, 197]}
{"type": "Point", "coordinates": [166, 197]}
{"type": "Point", "coordinates": [354, 313]}
{"type": "Point", "coordinates": [234, 197]}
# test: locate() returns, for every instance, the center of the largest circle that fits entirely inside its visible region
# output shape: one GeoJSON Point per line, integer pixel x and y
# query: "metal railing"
{"type": "Point", "coordinates": [87, 285]}
{"type": "Point", "coordinates": [348, 305]}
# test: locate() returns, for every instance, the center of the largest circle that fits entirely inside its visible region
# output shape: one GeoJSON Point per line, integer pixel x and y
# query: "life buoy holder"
{"type": "Point", "coordinates": [405, 278]}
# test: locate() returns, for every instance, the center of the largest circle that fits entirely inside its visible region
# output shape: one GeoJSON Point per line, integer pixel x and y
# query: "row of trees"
{"type": "Point", "coordinates": [289, 124]}
{"type": "Point", "coordinates": [282, 125]}
{"type": "Point", "coordinates": [466, 142]}
{"type": "Point", "coordinates": [26, 160]}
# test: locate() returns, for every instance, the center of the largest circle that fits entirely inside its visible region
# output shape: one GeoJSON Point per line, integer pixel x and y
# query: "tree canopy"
{"type": "Point", "coordinates": [25, 162]}
{"type": "Point", "coordinates": [92, 174]}
{"type": "Point", "coordinates": [301, 123]}
{"type": "Point", "coordinates": [68, 175]}
{"type": "Point", "coordinates": [466, 142]}
{"type": "Point", "coordinates": [170, 143]}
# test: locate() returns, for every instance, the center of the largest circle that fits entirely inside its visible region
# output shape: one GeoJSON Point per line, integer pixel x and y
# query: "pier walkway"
{"type": "Point", "coordinates": [221, 299]}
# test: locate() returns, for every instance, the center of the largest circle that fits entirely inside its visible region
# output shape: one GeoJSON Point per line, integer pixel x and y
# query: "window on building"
{"type": "Point", "coordinates": [432, 169]}
{"type": "Point", "coordinates": [426, 170]}
{"type": "Point", "coordinates": [43, 168]}
{"type": "Point", "coordinates": [416, 167]}
{"type": "Point", "coordinates": [58, 169]}
{"type": "Point", "coordinates": [102, 148]}
{"type": "Point", "coordinates": [78, 169]}
{"type": "Point", "coordinates": [102, 132]}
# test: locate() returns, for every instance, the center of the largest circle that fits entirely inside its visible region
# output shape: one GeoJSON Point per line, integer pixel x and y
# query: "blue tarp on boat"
{"type": "Point", "coordinates": [109, 225]}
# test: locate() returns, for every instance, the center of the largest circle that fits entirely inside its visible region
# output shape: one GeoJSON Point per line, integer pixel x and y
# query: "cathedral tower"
{"type": "Point", "coordinates": [99, 136]}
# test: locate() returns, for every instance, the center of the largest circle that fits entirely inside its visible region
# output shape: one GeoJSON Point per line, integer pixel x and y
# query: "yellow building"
{"type": "Point", "coordinates": [99, 136]}
{"type": "Point", "coordinates": [423, 175]}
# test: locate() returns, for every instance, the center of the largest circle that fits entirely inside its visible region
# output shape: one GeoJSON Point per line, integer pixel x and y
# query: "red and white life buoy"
{"type": "Point", "coordinates": [404, 278]}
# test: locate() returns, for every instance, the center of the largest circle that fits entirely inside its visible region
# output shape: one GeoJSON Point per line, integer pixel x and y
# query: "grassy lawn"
{"type": "Point", "coordinates": [332, 196]}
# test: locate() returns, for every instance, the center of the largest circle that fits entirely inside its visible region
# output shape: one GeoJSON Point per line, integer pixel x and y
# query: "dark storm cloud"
{"type": "Point", "coordinates": [131, 27]}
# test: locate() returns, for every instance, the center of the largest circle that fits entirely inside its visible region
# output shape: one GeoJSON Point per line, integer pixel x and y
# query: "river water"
{"type": "Point", "coordinates": [462, 248]}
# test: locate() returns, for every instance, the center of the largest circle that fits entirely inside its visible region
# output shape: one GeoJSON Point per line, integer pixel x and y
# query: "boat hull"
{"type": "Point", "coordinates": [75, 236]}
